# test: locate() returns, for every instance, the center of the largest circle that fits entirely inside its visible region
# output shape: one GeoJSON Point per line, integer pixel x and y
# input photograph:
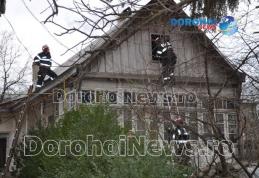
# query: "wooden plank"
{"type": "Point", "coordinates": [102, 63]}
{"type": "Point", "coordinates": [131, 55]}
{"type": "Point", "coordinates": [152, 67]}
{"type": "Point", "coordinates": [146, 49]}
{"type": "Point", "coordinates": [139, 55]}
{"type": "Point", "coordinates": [125, 68]}
{"type": "Point", "coordinates": [179, 80]}
{"type": "Point", "coordinates": [116, 60]}
{"type": "Point", "coordinates": [94, 65]}
{"type": "Point", "coordinates": [125, 76]}
{"type": "Point", "coordinates": [109, 60]}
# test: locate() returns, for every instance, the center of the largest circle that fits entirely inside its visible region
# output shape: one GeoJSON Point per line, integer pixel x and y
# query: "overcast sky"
{"type": "Point", "coordinates": [32, 33]}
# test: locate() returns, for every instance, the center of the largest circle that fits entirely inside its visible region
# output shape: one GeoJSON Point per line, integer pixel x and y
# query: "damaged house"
{"type": "Point", "coordinates": [128, 73]}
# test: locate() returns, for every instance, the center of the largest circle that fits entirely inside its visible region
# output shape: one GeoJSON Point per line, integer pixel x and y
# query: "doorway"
{"type": "Point", "coordinates": [3, 142]}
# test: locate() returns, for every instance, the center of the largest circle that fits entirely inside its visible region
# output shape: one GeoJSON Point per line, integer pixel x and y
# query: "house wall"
{"type": "Point", "coordinates": [38, 111]}
{"type": "Point", "coordinates": [134, 56]}
{"type": "Point", "coordinates": [7, 128]}
{"type": "Point", "coordinates": [124, 85]}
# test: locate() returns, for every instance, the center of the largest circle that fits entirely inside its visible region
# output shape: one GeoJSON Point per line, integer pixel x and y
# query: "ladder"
{"type": "Point", "coordinates": [16, 136]}
{"type": "Point", "coordinates": [174, 98]}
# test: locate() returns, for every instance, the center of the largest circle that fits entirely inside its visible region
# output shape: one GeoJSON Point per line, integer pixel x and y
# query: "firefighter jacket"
{"type": "Point", "coordinates": [43, 59]}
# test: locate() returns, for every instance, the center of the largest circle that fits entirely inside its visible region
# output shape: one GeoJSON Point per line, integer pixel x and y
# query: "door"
{"type": "Point", "coordinates": [3, 142]}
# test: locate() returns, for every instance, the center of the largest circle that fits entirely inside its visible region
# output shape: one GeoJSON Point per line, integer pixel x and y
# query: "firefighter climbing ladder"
{"type": "Point", "coordinates": [16, 138]}
{"type": "Point", "coordinates": [174, 98]}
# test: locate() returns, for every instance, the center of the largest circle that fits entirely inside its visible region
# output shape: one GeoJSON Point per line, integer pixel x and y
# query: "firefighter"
{"type": "Point", "coordinates": [165, 54]}
{"type": "Point", "coordinates": [170, 133]}
{"type": "Point", "coordinates": [182, 146]}
{"type": "Point", "coordinates": [44, 61]}
{"type": "Point", "coordinates": [178, 133]}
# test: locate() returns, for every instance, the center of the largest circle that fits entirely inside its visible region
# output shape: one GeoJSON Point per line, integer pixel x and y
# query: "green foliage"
{"type": "Point", "coordinates": [213, 8]}
{"type": "Point", "coordinates": [101, 122]}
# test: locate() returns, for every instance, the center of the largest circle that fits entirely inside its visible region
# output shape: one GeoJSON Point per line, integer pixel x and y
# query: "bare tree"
{"type": "Point", "coordinates": [12, 72]}
{"type": "Point", "coordinates": [93, 22]}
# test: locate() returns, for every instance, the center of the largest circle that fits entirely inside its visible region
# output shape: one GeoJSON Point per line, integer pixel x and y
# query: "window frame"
{"type": "Point", "coordinates": [151, 46]}
{"type": "Point", "coordinates": [129, 119]}
{"type": "Point", "coordinates": [228, 126]}
{"type": "Point", "coordinates": [189, 117]}
{"type": "Point", "coordinates": [221, 123]}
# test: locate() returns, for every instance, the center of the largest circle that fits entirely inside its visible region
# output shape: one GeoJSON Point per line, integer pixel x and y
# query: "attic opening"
{"type": "Point", "coordinates": [163, 52]}
{"type": "Point", "coordinates": [156, 41]}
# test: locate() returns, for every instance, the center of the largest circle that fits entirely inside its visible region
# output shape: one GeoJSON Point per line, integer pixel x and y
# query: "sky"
{"type": "Point", "coordinates": [24, 19]}
{"type": "Point", "coordinates": [31, 33]}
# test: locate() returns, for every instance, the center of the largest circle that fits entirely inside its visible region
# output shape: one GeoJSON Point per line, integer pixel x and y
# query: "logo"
{"type": "Point", "coordinates": [201, 23]}
{"type": "Point", "coordinates": [228, 25]}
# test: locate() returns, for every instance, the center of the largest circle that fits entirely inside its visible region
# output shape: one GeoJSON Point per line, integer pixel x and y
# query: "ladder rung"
{"type": "Point", "coordinates": [15, 140]}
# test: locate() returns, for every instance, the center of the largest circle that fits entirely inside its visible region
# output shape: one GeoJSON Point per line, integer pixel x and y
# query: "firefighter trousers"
{"type": "Point", "coordinates": [43, 71]}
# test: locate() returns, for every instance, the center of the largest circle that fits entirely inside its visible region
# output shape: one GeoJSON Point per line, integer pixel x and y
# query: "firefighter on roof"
{"type": "Point", "coordinates": [44, 61]}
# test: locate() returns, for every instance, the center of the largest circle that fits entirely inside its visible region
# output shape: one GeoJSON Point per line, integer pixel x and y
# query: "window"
{"type": "Point", "coordinates": [154, 129]}
{"type": "Point", "coordinates": [180, 99]}
{"type": "Point", "coordinates": [190, 103]}
{"type": "Point", "coordinates": [230, 104]}
{"type": "Point", "coordinates": [127, 115]}
{"type": "Point", "coordinates": [232, 127]}
{"type": "Point", "coordinates": [207, 130]}
{"type": "Point", "coordinates": [88, 96]}
{"type": "Point", "coordinates": [193, 123]}
{"type": "Point", "coordinates": [205, 125]}
{"type": "Point", "coordinates": [156, 41]}
{"type": "Point", "coordinates": [3, 142]}
{"type": "Point", "coordinates": [219, 119]}
{"type": "Point", "coordinates": [191, 100]}
{"type": "Point", "coordinates": [51, 120]}
{"type": "Point", "coordinates": [141, 126]}
{"type": "Point", "coordinates": [129, 97]}
{"type": "Point", "coordinates": [70, 99]}
{"type": "Point", "coordinates": [219, 104]}
{"type": "Point", "coordinates": [112, 97]}
{"type": "Point", "coordinates": [204, 102]}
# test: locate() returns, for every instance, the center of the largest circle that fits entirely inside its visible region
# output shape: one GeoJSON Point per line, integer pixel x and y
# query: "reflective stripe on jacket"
{"type": "Point", "coordinates": [44, 59]}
